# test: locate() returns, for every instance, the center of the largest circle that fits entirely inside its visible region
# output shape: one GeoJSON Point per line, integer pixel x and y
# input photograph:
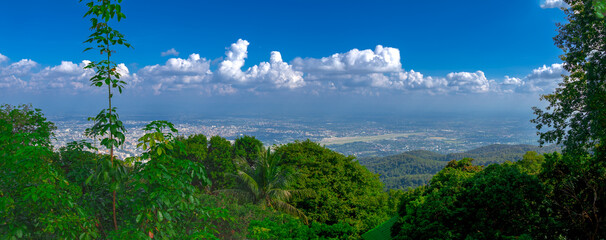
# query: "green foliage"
{"type": "Point", "coordinates": [197, 147]}
{"type": "Point", "coordinates": [107, 121]}
{"type": "Point", "coordinates": [28, 123]}
{"type": "Point", "coordinates": [576, 114]}
{"type": "Point", "coordinates": [219, 163]}
{"type": "Point", "coordinates": [344, 190]}
{"type": "Point", "coordinates": [502, 202]}
{"type": "Point", "coordinates": [267, 184]}
{"type": "Point", "coordinates": [531, 163]}
{"type": "Point", "coordinates": [406, 169]}
{"type": "Point", "coordinates": [286, 227]}
{"type": "Point", "coordinates": [164, 202]}
{"type": "Point", "coordinates": [36, 201]}
{"type": "Point", "coordinates": [80, 165]}
{"type": "Point", "coordinates": [465, 202]}
{"type": "Point", "coordinates": [235, 226]}
{"type": "Point", "coordinates": [107, 124]}
{"type": "Point", "coordinates": [576, 117]}
{"type": "Point", "coordinates": [500, 153]}
{"type": "Point", "coordinates": [600, 8]}
{"type": "Point", "coordinates": [248, 148]}
{"type": "Point", "coordinates": [105, 37]}
{"type": "Point", "coordinates": [432, 213]}
{"type": "Point", "coordinates": [577, 190]}
{"type": "Point", "coordinates": [415, 168]}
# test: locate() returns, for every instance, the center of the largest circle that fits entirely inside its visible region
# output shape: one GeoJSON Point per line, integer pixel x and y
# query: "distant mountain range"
{"type": "Point", "coordinates": [415, 168]}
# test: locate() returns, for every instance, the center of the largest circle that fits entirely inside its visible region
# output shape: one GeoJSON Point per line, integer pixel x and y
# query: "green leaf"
{"type": "Point", "coordinates": [138, 219]}
{"type": "Point", "coordinates": [160, 216]}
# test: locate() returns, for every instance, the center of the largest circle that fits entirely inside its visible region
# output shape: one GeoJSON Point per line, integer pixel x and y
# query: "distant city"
{"type": "Point", "coordinates": [358, 137]}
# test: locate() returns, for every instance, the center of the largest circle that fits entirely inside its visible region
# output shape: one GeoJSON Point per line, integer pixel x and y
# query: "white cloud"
{"type": "Point", "coordinates": [512, 81]}
{"type": "Point", "coordinates": [177, 74]}
{"type": "Point", "coordinates": [15, 74]}
{"type": "Point", "coordinates": [273, 74]}
{"type": "Point", "coordinates": [276, 72]}
{"type": "Point", "coordinates": [66, 76]}
{"type": "Point", "coordinates": [382, 69]}
{"type": "Point", "coordinates": [370, 72]}
{"type": "Point", "coordinates": [382, 59]}
{"type": "Point", "coordinates": [231, 67]}
{"type": "Point", "coordinates": [20, 68]}
{"type": "Point", "coordinates": [554, 4]}
{"type": "Point", "coordinates": [171, 51]}
{"type": "Point", "coordinates": [3, 58]}
{"type": "Point", "coordinates": [468, 82]}
{"type": "Point", "coordinates": [11, 81]}
{"type": "Point", "coordinates": [355, 70]}
{"type": "Point", "coordinates": [416, 80]}
{"type": "Point", "coordinates": [543, 79]}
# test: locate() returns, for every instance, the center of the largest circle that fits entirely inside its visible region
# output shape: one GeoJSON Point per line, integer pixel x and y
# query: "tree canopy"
{"type": "Point", "coordinates": [344, 190]}
{"type": "Point", "coordinates": [576, 114]}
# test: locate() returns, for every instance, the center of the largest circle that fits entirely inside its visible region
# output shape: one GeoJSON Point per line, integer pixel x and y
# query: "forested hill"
{"type": "Point", "coordinates": [415, 168]}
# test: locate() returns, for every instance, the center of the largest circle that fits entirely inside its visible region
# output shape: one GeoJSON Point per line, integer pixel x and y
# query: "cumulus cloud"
{"type": "Point", "coordinates": [170, 52]}
{"type": "Point", "coordinates": [231, 67]}
{"type": "Point", "coordinates": [356, 71]}
{"type": "Point", "coordinates": [177, 74]}
{"type": "Point", "coordinates": [273, 74]}
{"type": "Point", "coordinates": [276, 72]}
{"type": "Point", "coordinates": [416, 80]}
{"type": "Point", "coordinates": [3, 58]}
{"type": "Point", "coordinates": [15, 74]}
{"type": "Point", "coordinates": [543, 79]}
{"type": "Point", "coordinates": [381, 68]}
{"type": "Point", "coordinates": [469, 82]}
{"type": "Point", "coordinates": [382, 59]}
{"type": "Point", "coordinates": [512, 81]}
{"type": "Point", "coordinates": [554, 4]}
{"type": "Point", "coordinates": [65, 78]}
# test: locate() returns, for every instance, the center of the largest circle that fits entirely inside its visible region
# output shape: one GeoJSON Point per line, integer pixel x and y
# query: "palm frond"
{"type": "Point", "coordinates": [242, 164]}
{"type": "Point", "coordinates": [238, 194]}
{"type": "Point", "coordinates": [248, 182]}
{"type": "Point", "coordinates": [289, 209]}
{"type": "Point", "coordinates": [279, 194]}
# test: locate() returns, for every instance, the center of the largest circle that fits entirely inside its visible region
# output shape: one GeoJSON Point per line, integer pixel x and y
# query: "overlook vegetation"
{"type": "Point", "coordinates": [416, 168]}
{"type": "Point", "coordinates": [165, 193]}
{"type": "Point", "coordinates": [195, 187]}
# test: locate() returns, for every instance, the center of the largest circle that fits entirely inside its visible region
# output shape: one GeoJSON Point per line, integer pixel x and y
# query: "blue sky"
{"type": "Point", "coordinates": [389, 55]}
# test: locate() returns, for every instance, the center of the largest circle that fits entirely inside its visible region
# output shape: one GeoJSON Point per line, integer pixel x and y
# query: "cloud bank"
{"type": "Point", "coordinates": [366, 71]}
